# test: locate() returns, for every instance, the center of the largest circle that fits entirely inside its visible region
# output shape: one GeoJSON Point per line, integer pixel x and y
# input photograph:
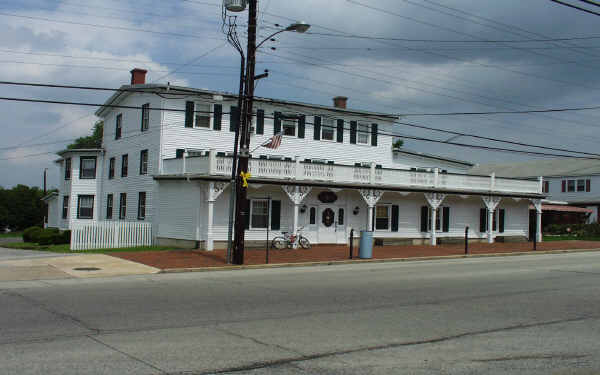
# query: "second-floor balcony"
{"type": "Point", "coordinates": [359, 175]}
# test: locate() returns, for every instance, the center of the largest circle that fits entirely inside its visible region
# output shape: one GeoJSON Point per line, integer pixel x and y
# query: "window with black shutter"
{"type": "Point", "coordinates": [301, 126]}
{"type": "Point", "coordinates": [446, 219]}
{"type": "Point", "coordinates": [317, 128]}
{"type": "Point", "coordinates": [501, 218]}
{"type": "Point", "coordinates": [424, 218]}
{"type": "Point", "coordinates": [124, 165]}
{"type": "Point", "coordinates": [179, 153]}
{"type": "Point", "coordinates": [353, 129]}
{"type": "Point", "coordinates": [313, 216]}
{"type": "Point", "coordinates": [217, 116]}
{"type": "Point", "coordinates": [234, 118]}
{"type": "Point", "coordinates": [277, 123]}
{"type": "Point", "coordinates": [260, 121]}
{"type": "Point", "coordinates": [340, 216]}
{"type": "Point", "coordinates": [395, 217]}
{"type": "Point", "coordinates": [189, 114]}
{"type": "Point", "coordinates": [483, 220]}
{"type": "Point", "coordinates": [275, 215]}
{"type": "Point", "coordinates": [118, 126]}
{"type": "Point", "coordinates": [340, 131]}
{"type": "Point", "coordinates": [374, 135]}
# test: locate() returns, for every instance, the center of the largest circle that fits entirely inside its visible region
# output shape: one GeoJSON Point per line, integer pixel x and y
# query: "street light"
{"type": "Point", "coordinates": [299, 27]}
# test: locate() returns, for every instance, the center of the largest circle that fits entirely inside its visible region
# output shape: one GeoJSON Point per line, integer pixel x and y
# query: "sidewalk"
{"type": "Point", "coordinates": [190, 259]}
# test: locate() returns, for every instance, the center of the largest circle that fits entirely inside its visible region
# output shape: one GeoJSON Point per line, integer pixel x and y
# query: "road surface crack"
{"type": "Point", "coordinates": [161, 371]}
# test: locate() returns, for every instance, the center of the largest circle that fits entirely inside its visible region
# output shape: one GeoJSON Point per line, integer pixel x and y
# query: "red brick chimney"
{"type": "Point", "coordinates": [138, 76]}
{"type": "Point", "coordinates": [340, 102]}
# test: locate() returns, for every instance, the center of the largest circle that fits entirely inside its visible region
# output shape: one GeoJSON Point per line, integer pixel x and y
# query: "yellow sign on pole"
{"type": "Point", "coordinates": [245, 177]}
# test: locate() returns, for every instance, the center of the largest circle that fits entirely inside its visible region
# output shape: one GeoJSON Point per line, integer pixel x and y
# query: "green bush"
{"type": "Point", "coordinates": [31, 234]}
{"type": "Point", "coordinates": [46, 238]}
{"type": "Point", "coordinates": [65, 237]}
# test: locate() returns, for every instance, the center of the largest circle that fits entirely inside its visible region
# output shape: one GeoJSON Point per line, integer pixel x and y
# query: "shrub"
{"type": "Point", "coordinates": [46, 238]}
{"type": "Point", "coordinates": [31, 234]}
{"type": "Point", "coordinates": [65, 237]}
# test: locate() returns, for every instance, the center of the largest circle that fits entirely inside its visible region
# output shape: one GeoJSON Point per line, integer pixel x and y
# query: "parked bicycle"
{"type": "Point", "coordinates": [289, 240]}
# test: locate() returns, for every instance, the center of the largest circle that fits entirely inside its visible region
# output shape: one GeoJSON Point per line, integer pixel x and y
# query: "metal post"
{"type": "Point", "coordinates": [268, 226]}
{"type": "Point", "coordinates": [466, 240]}
{"type": "Point", "coordinates": [351, 242]}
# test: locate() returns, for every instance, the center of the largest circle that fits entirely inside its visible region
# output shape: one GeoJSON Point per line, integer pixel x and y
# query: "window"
{"type": "Point", "coordinates": [142, 205]}
{"type": "Point", "coordinates": [111, 168]}
{"type": "Point", "coordinates": [546, 187]}
{"type": "Point", "coordinates": [202, 115]}
{"type": "Point", "coordinates": [327, 129]}
{"type": "Point", "coordinates": [67, 168]}
{"type": "Point", "coordinates": [313, 216]}
{"type": "Point", "coordinates": [144, 162]}
{"type": "Point", "coordinates": [118, 126]}
{"type": "Point", "coordinates": [124, 165]}
{"type": "Point", "coordinates": [65, 207]}
{"type": "Point", "coordinates": [382, 217]}
{"type": "Point", "coordinates": [438, 219]}
{"type": "Point", "coordinates": [85, 207]}
{"type": "Point", "coordinates": [87, 167]}
{"type": "Point", "coordinates": [145, 116]}
{"type": "Point", "coordinates": [580, 185]}
{"type": "Point", "coordinates": [259, 214]}
{"type": "Point", "coordinates": [364, 130]}
{"type": "Point", "coordinates": [289, 127]}
{"type": "Point", "coordinates": [341, 216]}
{"type": "Point", "coordinates": [109, 207]}
{"type": "Point", "coordinates": [571, 185]}
{"type": "Point", "coordinates": [123, 206]}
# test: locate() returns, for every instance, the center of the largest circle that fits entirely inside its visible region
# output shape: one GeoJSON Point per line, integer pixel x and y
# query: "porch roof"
{"type": "Point", "coordinates": [329, 184]}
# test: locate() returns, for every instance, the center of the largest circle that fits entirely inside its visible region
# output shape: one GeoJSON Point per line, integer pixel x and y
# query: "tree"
{"type": "Point", "coordinates": [91, 141]}
{"type": "Point", "coordinates": [21, 207]}
{"type": "Point", "coordinates": [398, 143]}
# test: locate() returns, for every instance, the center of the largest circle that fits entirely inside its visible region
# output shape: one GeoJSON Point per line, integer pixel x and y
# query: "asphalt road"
{"type": "Point", "coordinates": [516, 315]}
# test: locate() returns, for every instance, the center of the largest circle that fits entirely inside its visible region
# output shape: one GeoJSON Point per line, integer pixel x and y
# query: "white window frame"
{"type": "Point", "coordinates": [199, 114]}
{"type": "Point", "coordinates": [332, 126]}
{"type": "Point", "coordinates": [252, 202]}
{"type": "Point", "coordinates": [65, 206]}
{"type": "Point", "coordinates": [144, 164]}
{"type": "Point", "coordinates": [145, 117]}
{"type": "Point", "coordinates": [110, 202]}
{"type": "Point", "coordinates": [79, 206]}
{"type": "Point", "coordinates": [289, 121]}
{"type": "Point", "coordinates": [142, 215]}
{"type": "Point", "coordinates": [574, 186]}
{"type": "Point", "coordinates": [582, 187]}
{"type": "Point", "coordinates": [359, 133]}
{"type": "Point", "coordinates": [389, 217]}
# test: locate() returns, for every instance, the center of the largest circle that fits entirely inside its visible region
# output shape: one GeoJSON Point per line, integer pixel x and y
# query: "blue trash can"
{"type": "Point", "coordinates": [365, 250]}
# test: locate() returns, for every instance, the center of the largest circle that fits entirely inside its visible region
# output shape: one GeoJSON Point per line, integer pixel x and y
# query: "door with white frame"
{"type": "Point", "coordinates": [331, 224]}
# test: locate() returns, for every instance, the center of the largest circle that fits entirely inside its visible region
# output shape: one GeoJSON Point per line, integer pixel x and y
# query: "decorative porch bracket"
{"type": "Point", "coordinates": [371, 197]}
{"type": "Point", "coordinates": [213, 191]}
{"type": "Point", "coordinates": [537, 204]}
{"type": "Point", "coordinates": [491, 202]}
{"type": "Point", "coordinates": [435, 201]}
{"type": "Point", "coordinates": [296, 195]}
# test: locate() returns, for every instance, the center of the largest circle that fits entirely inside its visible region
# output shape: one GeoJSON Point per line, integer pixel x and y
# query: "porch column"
{"type": "Point", "coordinates": [296, 195]}
{"type": "Point", "coordinates": [491, 202]}
{"type": "Point", "coordinates": [214, 189]}
{"type": "Point", "coordinates": [537, 203]}
{"type": "Point", "coordinates": [371, 197]}
{"type": "Point", "coordinates": [435, 201]}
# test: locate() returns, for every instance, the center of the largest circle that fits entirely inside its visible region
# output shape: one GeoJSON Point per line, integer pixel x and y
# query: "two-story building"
{"type": "Point", "coordinates": [166, 159]}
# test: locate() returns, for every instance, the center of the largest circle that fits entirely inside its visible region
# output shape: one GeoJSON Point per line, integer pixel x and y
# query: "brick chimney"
{"type": "Point", "coordinates": [138, 76]}
{"type": "Point", "coordinates": [340, 102]}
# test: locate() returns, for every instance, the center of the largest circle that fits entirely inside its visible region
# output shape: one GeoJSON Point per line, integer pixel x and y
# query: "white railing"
{"type": "Point", "coordinates": [344, 174]}
{"type": "Point", "coordinates": [87, 235]}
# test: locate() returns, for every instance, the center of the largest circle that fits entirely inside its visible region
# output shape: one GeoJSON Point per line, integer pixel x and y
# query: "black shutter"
{"type": "Point", "coordinates": [424, 218]}
{"type": "Point", "coordinates": [179, 153]}
{"type": "Point", "coordinates": [501, 220]}
{"type": "Point", "coordinates": [301, 126]}
{"type": "Point", "coordinates": [446, 218]}
{"type": "Point", "coordinates": [277, 123]}
{"type": "Point", "coordinates": [234, 118]}
{"type": "Point", "coordinates": [353, 125]}
{"type": "Point", "coordinates": [317, 128]}
{"type": "Point", "coordinates": [482, 220]}
{"type": "Point", "coordinates": [395, 214]}
{"type": "Point", "coordinates": [189, 114]}
{"type": "Point", "coordinates": [374, 135]}
{"type": "Point", "coordinates": [260, 121]}
{"type": "Point", "coordinates": [275, 215]}
{"type": "Point", "coordinates": [217, 116]}
{"type": "Point", "coordinates": [246, 217]}
{"type": "Point", "coordinates": [340, 131]}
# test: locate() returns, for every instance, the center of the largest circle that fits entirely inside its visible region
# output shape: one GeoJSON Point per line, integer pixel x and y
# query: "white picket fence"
{"type": "Point", "coordinates": [110, 235]}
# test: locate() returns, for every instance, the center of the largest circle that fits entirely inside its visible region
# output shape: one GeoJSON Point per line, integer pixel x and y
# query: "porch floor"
{"type": "Point", "coordinates": [320, 253]}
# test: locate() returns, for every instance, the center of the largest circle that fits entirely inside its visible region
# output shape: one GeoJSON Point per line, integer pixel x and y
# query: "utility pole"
{"type": "Point", "coordinates": [45, 172]}
{"type": "Point", "coordinates": [242, 207]}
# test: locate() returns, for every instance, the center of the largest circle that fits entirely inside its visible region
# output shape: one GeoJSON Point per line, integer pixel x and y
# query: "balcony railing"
{"type": "Point", "coordinates": [218, 165]}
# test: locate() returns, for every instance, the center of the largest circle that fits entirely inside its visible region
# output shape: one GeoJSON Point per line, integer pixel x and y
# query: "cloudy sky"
{"type": "Point", "coordinates": [427, 56]}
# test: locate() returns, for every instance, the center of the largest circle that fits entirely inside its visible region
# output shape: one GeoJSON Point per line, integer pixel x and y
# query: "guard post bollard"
{"type": "Point", "coordinates": [351, 242]}
{"type": "Point", "coordinates": [466, 240]}
{"type": "Point", "coordinates": [535, 242]}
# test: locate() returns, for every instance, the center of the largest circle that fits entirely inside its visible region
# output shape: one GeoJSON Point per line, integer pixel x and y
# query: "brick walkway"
{"type": "Point", "coordinates": [196, 258]}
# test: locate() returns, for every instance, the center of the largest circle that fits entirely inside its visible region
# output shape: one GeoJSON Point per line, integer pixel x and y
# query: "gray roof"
{"type": "Point", "coordinates": [558, 167]}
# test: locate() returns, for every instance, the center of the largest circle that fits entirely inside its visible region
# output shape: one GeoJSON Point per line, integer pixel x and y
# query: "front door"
{"type": "Point", "coordinates": [327, 225]}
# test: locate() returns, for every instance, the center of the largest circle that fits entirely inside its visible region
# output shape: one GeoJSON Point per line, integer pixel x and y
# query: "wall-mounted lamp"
{"type": "Point", "coordinates": [356, 210]}
{"type": "Point", "coordinates": [303, 208]}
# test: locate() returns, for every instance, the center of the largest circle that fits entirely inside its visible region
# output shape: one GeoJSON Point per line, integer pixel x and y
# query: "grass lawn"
{"type": "Point", "coordinates": [65, 248]}
{"type": "Point", "coordinates": [569, 238]}
{"type": "Point", "coordinates": [11, 234]}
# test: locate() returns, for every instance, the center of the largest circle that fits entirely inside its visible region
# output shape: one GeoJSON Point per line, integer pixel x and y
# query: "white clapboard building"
{"type": "Point", "coordinates": [166, 160]}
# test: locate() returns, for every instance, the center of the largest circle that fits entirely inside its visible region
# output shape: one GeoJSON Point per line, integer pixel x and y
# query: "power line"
{"type": "Point", "coordinates": [575, 7]}
{"type": "Point", "coordinates": [591, 2]}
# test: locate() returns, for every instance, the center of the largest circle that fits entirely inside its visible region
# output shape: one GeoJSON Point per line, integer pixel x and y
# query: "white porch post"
{"type": "Point", "coordinates": [435, 201]}
{"type": "Point", "coordinates": [214, 189]}
{"type": "Point", "coordinates": [491, 203]}
{"type": "Point", "coordinates": [296, 195]}
{"type": "Point", "coordinates": [537, 203]}
{"type": "Point", "coordinates": [371, 197]}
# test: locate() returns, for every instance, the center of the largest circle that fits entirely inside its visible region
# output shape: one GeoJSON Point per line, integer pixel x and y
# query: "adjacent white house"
{"type": "Point", "coordinates": [166, 160]}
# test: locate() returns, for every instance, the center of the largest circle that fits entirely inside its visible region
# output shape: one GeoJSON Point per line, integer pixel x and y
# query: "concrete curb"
{"type": "Point", "coordinates": [358, 261]}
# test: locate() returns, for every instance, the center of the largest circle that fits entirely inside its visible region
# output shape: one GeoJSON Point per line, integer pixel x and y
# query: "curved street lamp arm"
{"type": "Point", "coordinates": [270, 36]}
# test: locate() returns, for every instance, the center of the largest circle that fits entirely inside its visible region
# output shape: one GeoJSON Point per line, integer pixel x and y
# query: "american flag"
{"type": "Point", "coordinates": [273, 142]}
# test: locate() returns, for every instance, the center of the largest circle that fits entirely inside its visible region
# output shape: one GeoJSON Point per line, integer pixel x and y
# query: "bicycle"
{"type": "Point", "coordinates": [289, 240]}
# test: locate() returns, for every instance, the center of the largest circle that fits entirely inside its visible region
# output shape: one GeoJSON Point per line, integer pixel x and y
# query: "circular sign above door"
{"type": "Point", "coordinates": [327, 196]}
